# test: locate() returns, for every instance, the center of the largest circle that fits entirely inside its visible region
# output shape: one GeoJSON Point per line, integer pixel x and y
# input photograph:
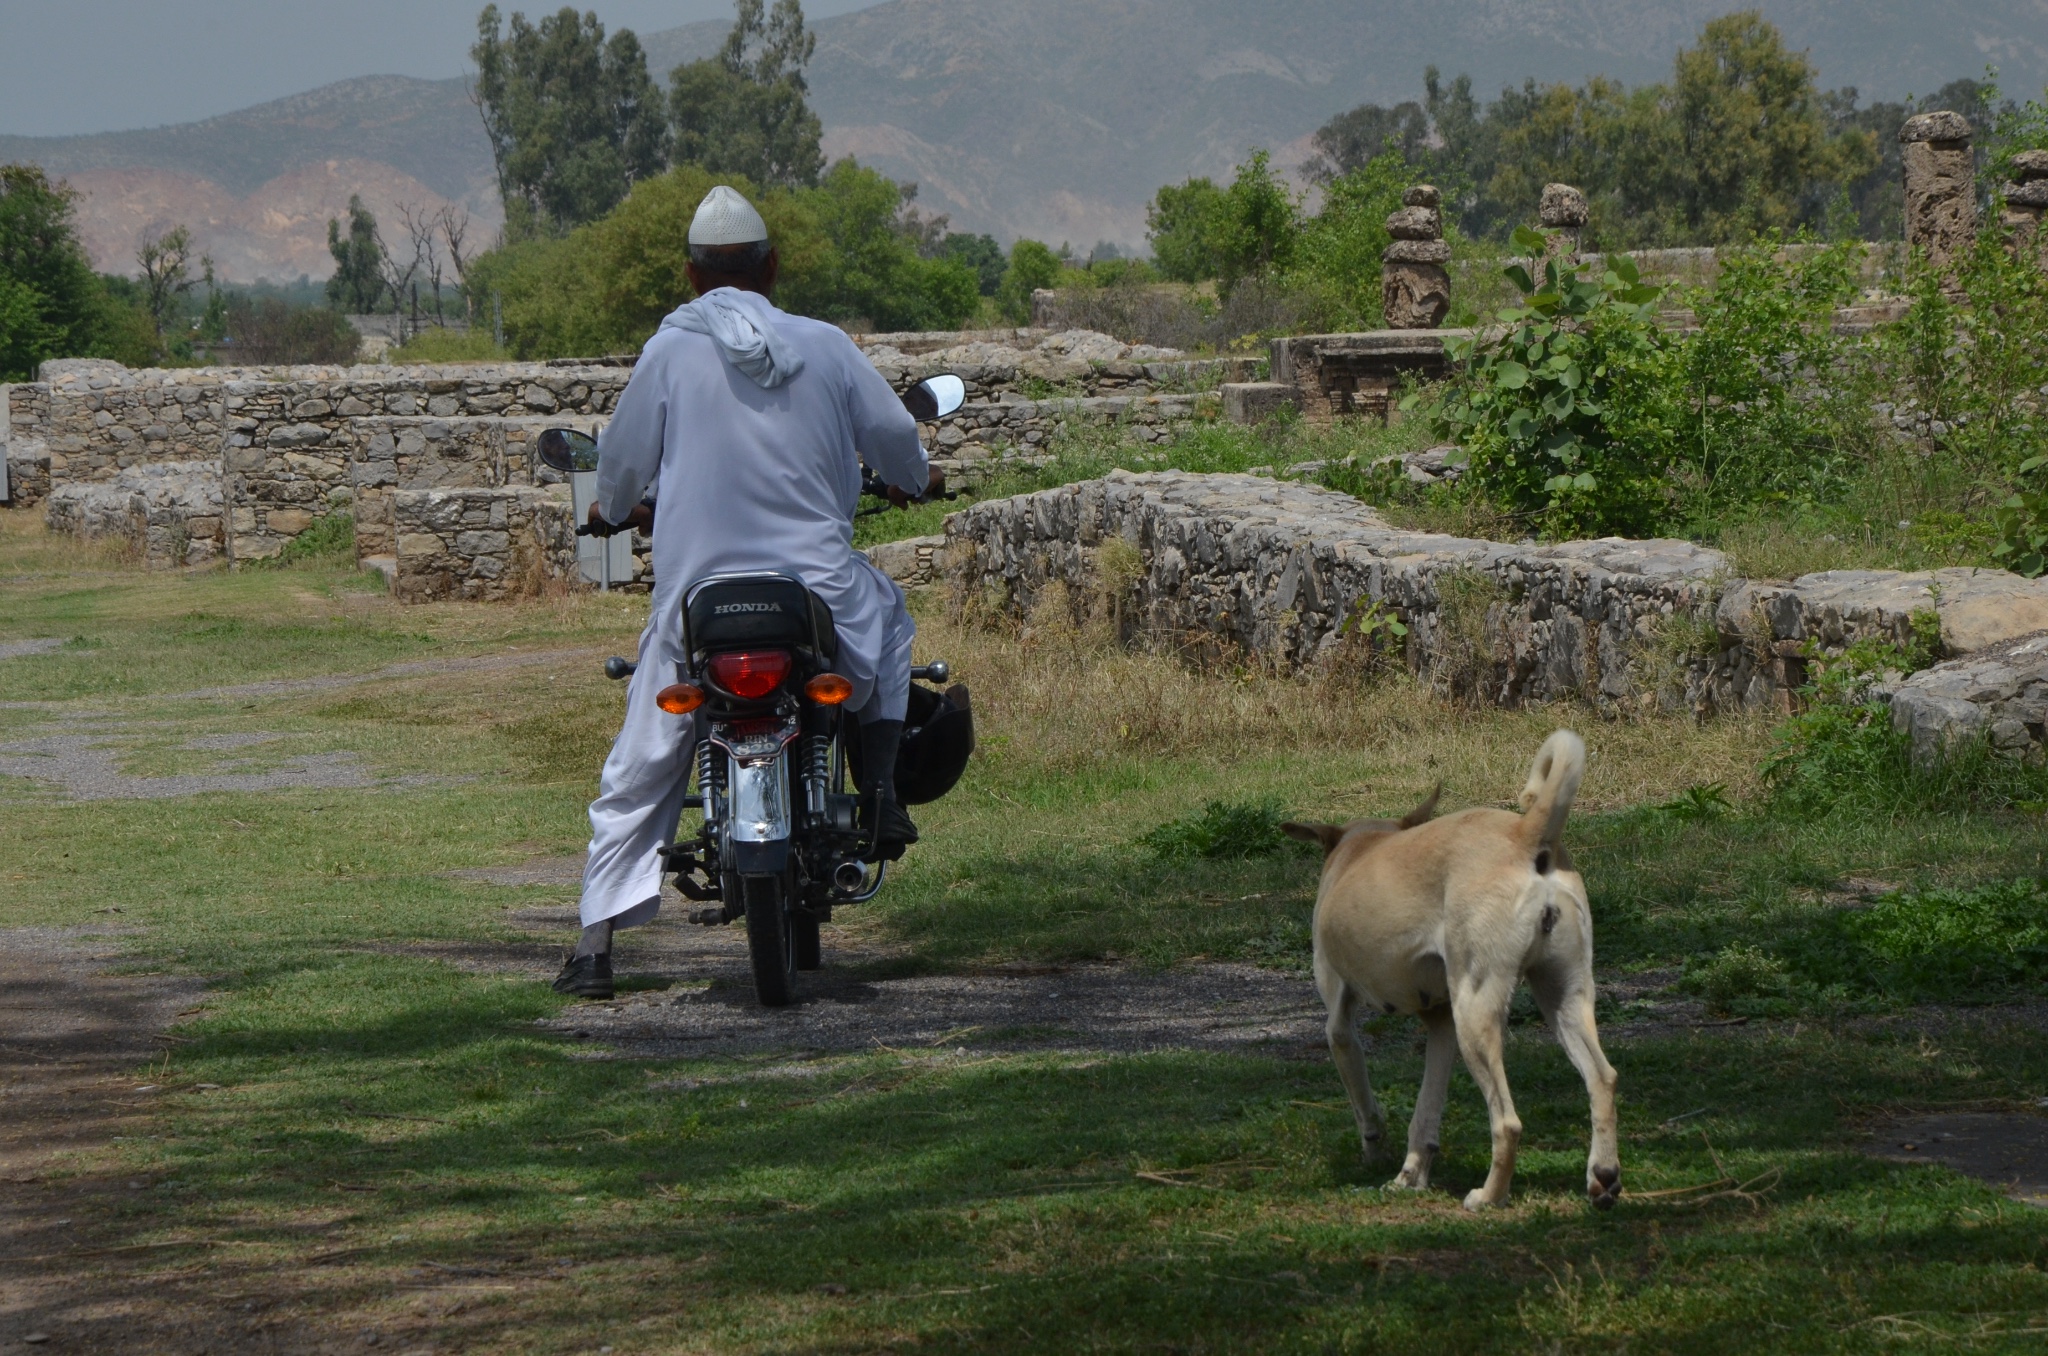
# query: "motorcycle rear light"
{"type": "Point", "coordinates": [679, 699]}
{"type": "Point", "coordinates": [749, 674]}
{"type": "Point", "coordinates": [828, 689]}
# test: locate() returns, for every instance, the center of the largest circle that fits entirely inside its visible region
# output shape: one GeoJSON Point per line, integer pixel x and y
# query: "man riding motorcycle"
{"type": "Point", "coordinates": [754, 424]}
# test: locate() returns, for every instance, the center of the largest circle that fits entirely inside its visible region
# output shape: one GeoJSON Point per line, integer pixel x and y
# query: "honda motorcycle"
{"type": "Point", "coordinates": [780, 843]}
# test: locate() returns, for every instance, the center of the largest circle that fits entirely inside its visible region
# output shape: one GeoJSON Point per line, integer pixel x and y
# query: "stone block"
{"type": "Point", "coordinates": [287, 522]}
{"type": "Point", "coordinates": [1563, 207]}
{"type": "Point", "coordinates": [1254, 402]}
{"type": "Point", "coordinates": [2000, 694]}
{"type": "Point", "coordinates": [1415, 223]}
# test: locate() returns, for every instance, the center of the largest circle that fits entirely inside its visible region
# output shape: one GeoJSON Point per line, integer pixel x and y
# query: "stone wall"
{"type": "Point", "coordinates": [24, 419]}
{"type": "Point", "coordinates": [103, 418]}
{"type": "Point", "coordinates": [481, 544]}
{"type": "Point", "coordinates": [173, 513]}
{"type": "Point", "coordinates": [1241, 564]}
{"type": "Point", "coordinates": [1356, 374]}
{"type": "Point", "coordinates": [978, 439]}
{"type": "Point", "coordinates": [292, 446]}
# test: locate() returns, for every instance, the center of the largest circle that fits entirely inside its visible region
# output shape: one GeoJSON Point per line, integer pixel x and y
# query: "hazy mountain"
{"type": "Point", "coordinates": [1051, 118]}
{"type": "Point", "coordinates": [258, 186]}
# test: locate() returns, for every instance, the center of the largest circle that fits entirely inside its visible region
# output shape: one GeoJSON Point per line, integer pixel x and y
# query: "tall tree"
{"type": "Point", "coordinates": [358, 282]}
{"type": "Point", "coordinates": [744, 111]}
{"type": "Point", "coordinates": [1756, 146]}
{"type": "Point", "coordinates": [573, 119]}
{"type": "Point", "coordinates": [165, 258]}
{"type": "Point", "coordinates": [51, 303]}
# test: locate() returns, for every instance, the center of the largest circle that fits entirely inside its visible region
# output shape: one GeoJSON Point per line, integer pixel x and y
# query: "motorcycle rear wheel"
{"type": "Point", "coordinates": [771, 938]}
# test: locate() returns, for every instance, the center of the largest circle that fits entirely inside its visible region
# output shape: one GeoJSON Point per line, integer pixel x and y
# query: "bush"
{"type": "Point", "coordinates": [604, 288]}
{"type": "Point", "coordinates": [328, 541]}
{"type": "Point", "coordinates": [1568, 418]}
{"type": "Point", "coordinates": [1247, 828]}
{"type": "Point", "coordinates": [1772, 409]}
{"type": "Point", "coordinates": [1032, 266]}
{"type": "Point", "coordinates": [436, 344]}
{"type": "Point", "coordinates": [1982, 943]}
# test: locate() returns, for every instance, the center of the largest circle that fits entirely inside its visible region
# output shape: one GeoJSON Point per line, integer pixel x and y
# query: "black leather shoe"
{"type": "Point", "coordinates": [586, 977]}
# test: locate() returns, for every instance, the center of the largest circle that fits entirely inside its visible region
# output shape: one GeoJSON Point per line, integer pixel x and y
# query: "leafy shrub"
{"type": "Point", "coordinates": [1771, 402]}
{"type": "Point", "coordinates": [1738, 971]}
{"type": "Point", "coordinates": [1568, 417]}
{"type": "Point", "coordinates": [1917, 945]}
{"type": "Point", "coordinates": [435, 344]}
{"type": "Point", "coordinates": [329, 540]}
{"type": "Point", "coordinates": [1244, 828]}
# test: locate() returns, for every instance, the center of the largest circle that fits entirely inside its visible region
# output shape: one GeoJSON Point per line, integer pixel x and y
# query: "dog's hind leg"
{"type": "Point", "coordinates": [1481, 1011]}
{"type": "Point", "coordinates": [1429, 1101]}
{"type": "Point", "coordinates": [1567, 1004]}
{"type": "Point", "coordinates": [1349, 1054]}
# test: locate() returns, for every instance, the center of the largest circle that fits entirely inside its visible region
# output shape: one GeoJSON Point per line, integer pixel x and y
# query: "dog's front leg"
{"type": "Point", "coordinates": [1348, 1052]}
{"type": "Point", "coordinates": [1481, 1012]}
{"type": "Point", "coordinates": [1429, 1102]}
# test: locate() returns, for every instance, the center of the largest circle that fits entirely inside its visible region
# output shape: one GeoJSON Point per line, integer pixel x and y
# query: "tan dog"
{"type": "Point", "coordinates": [1442, 919]}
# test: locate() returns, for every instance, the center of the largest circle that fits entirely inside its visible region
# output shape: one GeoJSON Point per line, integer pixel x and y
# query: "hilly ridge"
{"type": "Point", "coordinates": [1050, 118]}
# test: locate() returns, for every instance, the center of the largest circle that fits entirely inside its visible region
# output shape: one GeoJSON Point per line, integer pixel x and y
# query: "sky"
{"type": "Point", "coordinates": [70, 66]}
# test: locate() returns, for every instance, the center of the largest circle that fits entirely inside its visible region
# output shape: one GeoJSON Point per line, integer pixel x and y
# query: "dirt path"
{"type": "Point", "coordinates": [75, 1044]}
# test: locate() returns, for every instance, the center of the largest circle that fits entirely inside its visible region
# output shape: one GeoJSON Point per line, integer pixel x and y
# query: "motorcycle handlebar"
{"type": "Point", "coordinates": [616, 668]}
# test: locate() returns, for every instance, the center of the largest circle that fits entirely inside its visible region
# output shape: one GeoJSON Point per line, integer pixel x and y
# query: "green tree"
{"type": "Point", "coordinates": [874, 273]}
{"type": "Point", "coordinates": [1261, 224]}
{"type": "Point", "coordinates": [1185, 225]}
{"type": "Point", "coordinates": [1032, 265]}
{"type": "Point", "coordinates": [1351, 140]}
{"type": "Point", "coordinates": [165, 258]}
{"type": "Point", "coordinates": [1337, 257]}
{"type": "Point", "coordinates": [573, 119]}
{"type": "Point", "coordinates": [358, 282]}
{"type": "Point", "coordinates": [980, 253]}
{"type": "Point", "coordinates": [1754, 141]}
{"type": "Point", "coordinates": [744, 111]}
{"type": "Point", "coordinates": [52, 305]}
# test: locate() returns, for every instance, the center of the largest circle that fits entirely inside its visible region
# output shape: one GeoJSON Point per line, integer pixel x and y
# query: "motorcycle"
{"type": "Point", "coordinates": [779, 843]}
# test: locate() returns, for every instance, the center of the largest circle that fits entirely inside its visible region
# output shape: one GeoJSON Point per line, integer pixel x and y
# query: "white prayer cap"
{"type": "Point", "coordinates": [726, 218]}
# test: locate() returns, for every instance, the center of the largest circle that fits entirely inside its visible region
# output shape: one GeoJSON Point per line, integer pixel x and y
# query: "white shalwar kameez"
{"type": "Point", "coordinates": [752, 476]}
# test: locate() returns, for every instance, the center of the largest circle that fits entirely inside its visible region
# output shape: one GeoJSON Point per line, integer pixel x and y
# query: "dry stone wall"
{"type": "Point", "coordinates": [293, 447]}
{"type": "Point", "coordinates": [978, 439]}
{"type": "Point", "coordinates": [24, 421]}
{"type": "Point", "coordinates": [481, 544]}
{"type": "Point", "coordinates": [1285, 571]}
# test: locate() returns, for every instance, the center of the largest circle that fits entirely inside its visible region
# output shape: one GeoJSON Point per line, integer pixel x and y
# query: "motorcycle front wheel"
{"type": "Point", "coordinates": [771, 938]}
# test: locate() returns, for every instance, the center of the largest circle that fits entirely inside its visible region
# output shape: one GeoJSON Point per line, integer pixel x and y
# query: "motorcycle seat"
{"type": "Point", "coordinates": [739, 611]}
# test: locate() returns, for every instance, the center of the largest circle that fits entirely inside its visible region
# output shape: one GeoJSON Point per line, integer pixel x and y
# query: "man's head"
{"type": "Point", "coordinates": [729, 245]}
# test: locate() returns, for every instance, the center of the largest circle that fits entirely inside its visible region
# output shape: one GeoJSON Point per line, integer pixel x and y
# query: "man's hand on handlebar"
{"type": "Point", "coordinates": [935, 487]}
{"type": "Point", "coordinates": [641, 520]}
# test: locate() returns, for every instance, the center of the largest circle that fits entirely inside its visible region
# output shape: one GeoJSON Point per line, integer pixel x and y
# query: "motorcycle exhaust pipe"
{"type": "Point", "coordinates": [849, 876]}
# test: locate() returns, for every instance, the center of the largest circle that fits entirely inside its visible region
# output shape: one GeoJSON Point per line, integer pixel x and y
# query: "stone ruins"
{"type": "Point", "coordinates": [1941, 193]}
{"type": "Point", "coordinates": [435, 466]}
{"type": "Point", "coordinates": [1415, 286]}
{"type": "Point", "coordinates": [1294, 574]}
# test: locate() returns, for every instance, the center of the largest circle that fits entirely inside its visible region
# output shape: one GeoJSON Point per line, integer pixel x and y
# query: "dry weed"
{"type": "Point", "coordinates": [1060, 698]}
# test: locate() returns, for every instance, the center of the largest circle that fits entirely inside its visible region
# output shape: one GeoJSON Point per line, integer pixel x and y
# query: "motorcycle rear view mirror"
{"type": "Point", "coordinates": [566, 450]}
{"type": "Point", "coordinates": [935, 397]}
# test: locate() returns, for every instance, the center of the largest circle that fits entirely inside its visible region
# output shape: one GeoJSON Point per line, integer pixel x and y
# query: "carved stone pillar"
{"type": "Point", "coordinates": [1941, 201]}
{"type": "Point", "coordinates": [1563, 212]}
{"type": "Point", "coordinates": [2026, 205]}
{"type": "Point", "coordinates": [1415, 287]}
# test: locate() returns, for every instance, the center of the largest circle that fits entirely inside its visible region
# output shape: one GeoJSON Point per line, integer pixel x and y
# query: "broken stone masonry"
{"type": "Point", "coordinates": [1296, 574]}
{"type": "Point", "coordinates": [1940, 187]}
{"type": "Point", "coordinates": [1415, 285]}
{"type": "Point", "coordinates": [2025, 199]}
{"type": "Point", "coordinates": [1563, 213]}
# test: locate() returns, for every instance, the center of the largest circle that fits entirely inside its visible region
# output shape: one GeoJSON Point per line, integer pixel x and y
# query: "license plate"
{"type": "Point", "coordinates": [749, 740]}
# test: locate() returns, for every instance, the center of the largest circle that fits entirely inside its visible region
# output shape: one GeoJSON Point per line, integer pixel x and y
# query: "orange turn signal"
{"type": "Point", "coordinates": [829, 689]}
{"type": "Point", "coordinates": [679, 699]}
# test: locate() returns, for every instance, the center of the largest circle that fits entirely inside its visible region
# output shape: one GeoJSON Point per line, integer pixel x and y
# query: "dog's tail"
{"type": "Point", "coordinates": [1553, 782]}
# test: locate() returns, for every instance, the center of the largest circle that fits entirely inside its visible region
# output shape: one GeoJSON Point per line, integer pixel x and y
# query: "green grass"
{"type": "Point", "coordinates": [382, 1117]}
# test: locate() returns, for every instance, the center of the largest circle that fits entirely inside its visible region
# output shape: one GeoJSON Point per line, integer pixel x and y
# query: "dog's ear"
{"type": "Point", "coordinates": [1325, 836]}
{"type": "Point", "coordinates": [1422, 813]}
